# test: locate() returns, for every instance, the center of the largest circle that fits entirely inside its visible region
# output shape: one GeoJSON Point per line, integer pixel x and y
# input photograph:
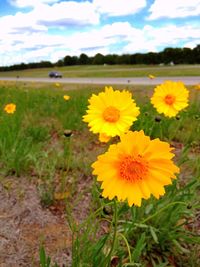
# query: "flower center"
{"type": "Point", "coordinates": [111, 114]}
{"type": "Point", "coordinates": [169, 99]}
{"type": "Point", "coordinates": [133, 168]}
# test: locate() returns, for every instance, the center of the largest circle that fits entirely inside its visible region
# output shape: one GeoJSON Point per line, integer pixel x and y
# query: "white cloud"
{"type": "Point", "coordinates": [119, 37]}
{"type": "Point", "coordinates": [192, 44]}
{"type": "Point", "coordinates": [119, 7]}
{"type": "Point", "coordinates": [152, 38]}
{"type": "Point", "coordinates": [67, 13]}
{"type": "Point", "coordinates": [64, 14]}
{"type": "Point", "coordinates": [30, 3]}
{"type": "Point", "coordinates": [20, 22]}
{"type": "Point", "coordinates": [174, 9]}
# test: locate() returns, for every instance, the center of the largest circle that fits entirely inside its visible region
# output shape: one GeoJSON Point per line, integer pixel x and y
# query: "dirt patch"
{"type": "Point", "coordinates": [25, 225]}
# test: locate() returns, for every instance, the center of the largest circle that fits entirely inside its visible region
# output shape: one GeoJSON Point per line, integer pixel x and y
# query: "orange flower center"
{"type": "Point", "coordinates": [133, 168]}
{"type": "Point", "coordinates": [170, 99]}
{"type": "Point", "coordinates": [111, 114]}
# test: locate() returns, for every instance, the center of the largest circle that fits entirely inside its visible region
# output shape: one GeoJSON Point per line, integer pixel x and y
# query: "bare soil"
{"type": "Point", "coordinates": [25, 225]}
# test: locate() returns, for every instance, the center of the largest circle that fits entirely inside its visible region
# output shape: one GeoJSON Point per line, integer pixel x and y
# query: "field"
{"type": "Point", "coordinates": [52, 212]}
{"type": "Point", "coordinates": [111, 71]}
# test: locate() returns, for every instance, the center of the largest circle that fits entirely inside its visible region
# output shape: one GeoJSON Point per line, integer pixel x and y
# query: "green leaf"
{"type": "Point", "coordinates": [139, 247]}
{"type": "Point", "coordinates": [154, 235]}
{"type": "Point", "coordinates": [148, 209]}
{"type": "Point", "coordinates": [98, 254]}
{"type": "Point", "coordinates": [42, 257]}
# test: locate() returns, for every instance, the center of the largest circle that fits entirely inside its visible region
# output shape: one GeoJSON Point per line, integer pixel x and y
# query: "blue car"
{"type": "Point", "coordinates": [55, 74]}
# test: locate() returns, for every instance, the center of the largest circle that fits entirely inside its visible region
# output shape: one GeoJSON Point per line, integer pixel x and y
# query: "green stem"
{"type": "Point", "coordinates": [108, 261]}
{"type": "Point", "coordinates": [161, 130]}
{"type": "Point", "coordinates": [127, 245]}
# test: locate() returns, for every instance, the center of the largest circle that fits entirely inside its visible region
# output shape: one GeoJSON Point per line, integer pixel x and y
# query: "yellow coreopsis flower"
{"type": "Point", "coordinates": [151, 76]}
{"type": "Point", "coordinates": [111, 112]}
{"type": "Point", "coordinates": [66, 97]}
{"type": "Point", "coordinates": [10, 108]}
{"type": "Point", "coordinates": [135, 168]}
{"type": "Point", "coordinates": [170, 97]}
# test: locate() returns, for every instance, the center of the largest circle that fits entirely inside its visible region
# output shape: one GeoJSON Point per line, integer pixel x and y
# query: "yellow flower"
{"type": "Point", "coordinates": [104, 138]}
{"type": "Point", "coordinates": [170, 97]}
{"type": "Point", "coordinates": [135, 168]}
{"type": "Point", "coordinates": [151, 76]}
{"type": "Point", "coordinates": [197, 87]}
{"type": "Point", "coordinates": [111, 112]}
{"type": "Point", "coordinates": [57, 84]}
{"type": "Point", "coordinates": [66, 97]}
{"type": "Point", "coordinates": [10, 108]}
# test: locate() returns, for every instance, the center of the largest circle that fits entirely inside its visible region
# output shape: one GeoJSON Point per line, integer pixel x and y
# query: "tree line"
{"type": "Point", "coordinates": [167, 56]}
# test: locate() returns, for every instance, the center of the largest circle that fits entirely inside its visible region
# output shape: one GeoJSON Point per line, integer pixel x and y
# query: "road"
{"type": "Point", "coordinates": [107, 81]}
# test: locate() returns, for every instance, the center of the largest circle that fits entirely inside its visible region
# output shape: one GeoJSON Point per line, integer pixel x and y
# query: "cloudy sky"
{"type": "Point", "coordinates": [35, 30]}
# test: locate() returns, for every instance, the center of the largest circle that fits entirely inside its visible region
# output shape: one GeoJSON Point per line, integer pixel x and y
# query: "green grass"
{"type": "Point", "coordinates": [33, 144]}
{"type": "Point", "coordinates": [110, 71]}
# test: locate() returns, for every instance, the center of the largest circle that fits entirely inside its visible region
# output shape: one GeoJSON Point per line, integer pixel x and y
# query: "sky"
{"type": "Point", "coordinates": [36, 30]}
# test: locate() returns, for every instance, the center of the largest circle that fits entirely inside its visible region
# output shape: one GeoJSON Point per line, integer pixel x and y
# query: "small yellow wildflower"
{"type": "Point", "coordinates": [197, 87]}
{"type": "Point", "coordinates": [151, 76]}
{"type": "Point", "coordinates": [10, 108]}
{"type": "Point", "coordinates": [66, 97]}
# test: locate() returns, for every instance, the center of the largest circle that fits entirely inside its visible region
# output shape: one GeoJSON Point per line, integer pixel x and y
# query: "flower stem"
{"type": "Point", "coordinates": [127, 245]}
{"type": "Point", "coordinates": [108, 261]}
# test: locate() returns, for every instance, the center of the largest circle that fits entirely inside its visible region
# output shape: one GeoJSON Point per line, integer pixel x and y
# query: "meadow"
{"type": "Point", "coordinates": [46, 181]}
{"type": "Point", "coordinates": [110, 71]}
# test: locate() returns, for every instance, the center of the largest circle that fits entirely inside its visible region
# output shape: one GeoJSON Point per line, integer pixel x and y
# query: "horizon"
{"type": "Point", "coordinates": [48, 30]}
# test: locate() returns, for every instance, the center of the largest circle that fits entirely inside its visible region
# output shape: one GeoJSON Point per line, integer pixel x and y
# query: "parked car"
{"type": "Point", "coordinates": [55, 74]}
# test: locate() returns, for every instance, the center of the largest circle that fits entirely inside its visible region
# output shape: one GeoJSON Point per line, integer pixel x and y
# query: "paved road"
{"type": "Point", "coordinates": [108, 81]}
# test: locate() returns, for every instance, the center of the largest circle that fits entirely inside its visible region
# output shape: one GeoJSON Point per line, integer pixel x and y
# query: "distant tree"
{"type": "Point", "coordinates": [98, 59]}
{"type": "Point", "coordinates": [139, 58]}
{"type": "Point", "coordinates": [133, 59]}
{"type": "Point", "coordinates": [123, 59]}
{"type": "Point", "coordinates": [74, 60]}
{"type": "Point", "coordinates": [172, 55]}
{"type": "Point", "coordinates": [151, 58]}
{"type": "Point", "coordinates": [83, 59]}
{"type": "Point", "coordinates": [69, 61]}
{"type": "Point", "coordinates": [167, 55]}
{"type": "Point", "coordinates": [110, 59]}
{"type": "Point", "coordinates": [196, 54]}
{"type": "Point", "coordinates": [187, 56]}
{"type": "Point", "coordinates": [60, 63]}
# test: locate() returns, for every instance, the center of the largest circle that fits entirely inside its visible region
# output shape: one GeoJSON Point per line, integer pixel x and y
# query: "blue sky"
{"type": "Point", "coordinates": [35, 30]}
